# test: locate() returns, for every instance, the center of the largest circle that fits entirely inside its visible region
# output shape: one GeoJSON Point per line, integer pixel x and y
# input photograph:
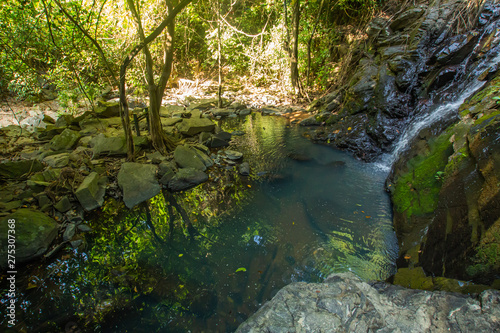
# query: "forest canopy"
{"type": "Point", "coordinates": [72, 50]}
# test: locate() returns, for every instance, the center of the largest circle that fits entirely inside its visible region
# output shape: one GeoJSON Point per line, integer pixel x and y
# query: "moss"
{"type": "Point", "coordinates": [413, 278]}
{"type": "Point", "coordinates": [416, 192]}
{"type": "Point", "coordinates": [486, 117]}
{"type": "Point", "coordinates": [456, 161]}
{"type": "Point", "coordinates": [487, 257]}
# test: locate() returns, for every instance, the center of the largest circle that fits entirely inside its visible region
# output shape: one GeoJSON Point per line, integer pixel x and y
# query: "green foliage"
{"type": "Point", "coordinates": [487, 257]}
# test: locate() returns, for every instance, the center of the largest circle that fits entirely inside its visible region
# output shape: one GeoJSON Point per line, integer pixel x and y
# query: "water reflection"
{"type": "Point", "coordinates": [304, 212]}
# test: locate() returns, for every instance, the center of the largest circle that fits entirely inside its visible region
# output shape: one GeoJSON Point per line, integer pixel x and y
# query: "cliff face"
{"type": "Point", "coordinates": [446, 195]}
{"type": "Point", "coordinates": [343, 303]}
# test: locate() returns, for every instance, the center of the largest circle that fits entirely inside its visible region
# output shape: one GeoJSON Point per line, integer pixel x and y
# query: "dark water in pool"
{"type": "Point", "coordinates": [304, 212]}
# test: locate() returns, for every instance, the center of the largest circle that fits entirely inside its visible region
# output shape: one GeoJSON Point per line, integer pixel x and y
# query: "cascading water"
{"type": "Point", "coordinates": [443, 110]}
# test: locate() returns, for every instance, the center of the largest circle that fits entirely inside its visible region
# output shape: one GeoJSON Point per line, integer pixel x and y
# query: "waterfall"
{"type": "Point", "coordinates": [438, 112]}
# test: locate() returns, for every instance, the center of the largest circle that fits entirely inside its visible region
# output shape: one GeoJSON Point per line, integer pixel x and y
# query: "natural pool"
{"type": "Point", "coordinates": [304, 212]}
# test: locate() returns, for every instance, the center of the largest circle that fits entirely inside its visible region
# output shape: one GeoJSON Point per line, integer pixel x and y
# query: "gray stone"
{"type": "Point", "coordinates": [138, 182]}
{"type": "Point", "coordinates": [63, 205]}
{"type": "Point", "coordinates": [170, 121]}
{"type": "Point", "coordinates": [186, 178]}
{"type": "Point", "coordinates": [69, 232]}
{"type": "Point", "coordinates": [406, 18]}
{"type": "Point", "coordinates": [244, 169]}
{"type": "Point", "coordinates": [187, 157]}
{"type": "Point", "coordinates": [269, 111]}
{"type": "Point", "coordinates": [311, 121]}
{"type": "Point", "coordinates": [233, 154]}
{"type": "Point", "coordinates": [168, 110]}
{"type": "Point", "coordinates": [35, 232]}
{"type": "Point", "coordinates": [91, 191]}
{"type": "Point", "coordinates": [165, 167]}
{"type": "Point", "coordinates": [64, 120]}
{"type": "Point", "coordinates": [84, 228]}
{"type": "Point", "coordinates": [43, 199]}
{"type": "Point", "coordinates": [102, 145]}
{"type": "Point", "coordinates": [21, 168]}
{"type": "Point", "coordinates": [222, 112]}
{"type": "Point", "coordinates": [57, 161]}
{"type": "Point", "coordinates": [64, 141]}
{"type": "Point", "coordinates": [108, 109]}
{"type": "Point", "coordinates": [76, 243]}
{"type": "Point", "coordinates": [93, 125]}
{"type": "Point", "coordinates": [193, 126]}
{"type": "Point", "coordinates": [244, 112]}
{"type": "Point", "coordinates": [344, 303]}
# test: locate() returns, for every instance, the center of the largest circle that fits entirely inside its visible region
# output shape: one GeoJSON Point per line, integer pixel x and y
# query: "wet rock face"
{"type": "Point", "coordinates": [446, 195]}
{"type": "Point", "coordinates": [343, 303]}
{"type": "Point", "coordinates": [412, 58]}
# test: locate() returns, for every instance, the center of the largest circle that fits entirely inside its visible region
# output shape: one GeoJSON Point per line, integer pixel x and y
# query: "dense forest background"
{"type": "Point", "coordinates": [73, 50]}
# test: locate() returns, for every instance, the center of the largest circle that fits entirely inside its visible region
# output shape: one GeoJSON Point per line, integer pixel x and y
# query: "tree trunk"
{"type": "Point", "coordinates": [294, 68]}
{"type": "Point", "coordinates": [124, 115]}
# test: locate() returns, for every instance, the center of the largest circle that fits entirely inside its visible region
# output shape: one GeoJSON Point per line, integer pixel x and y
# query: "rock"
{"type": "Point", "coordinates": [69, 232]}
{"type": "Point", "coordinates": [57, 161]}
{"type": "Point", "coordinates": [170, 121]}
{"type": "Point", "coordinates": [187, 157]}
{"type": "Point", "coordinates": [92, 125]}
{"type": "Point", "coordinates": [244, 169]}
{"type": "Point", "coordinates": [35, 232]}
{"type": "Point", "coordinates": [76, 243]}
{"type": "Point", "coordinates": [222, 112]}
{"type": "Point", "coordinates": [215, 142]}
{"type": "Point", "coordinates": [91, 191]}
{"type": "Point", "coordinates": [63, 205]}
{"type": "Point", "coordinates": [238, 133]}
{"type": "Point", "coordinates": [193, 126]}
{"type": "Point", "coordinates": [168, 110]}
{"type": "Point", "coordinates": [344, 303]}
{"type": "Point", "coordinates": [64, 141]}
{"type": "Point", "coordinates": [165, 167]}
{"type": "Point", "coordinates": [311, 121]}
{"type": "Point", "coordinates": [65, 120]}
{"type": "Point", "coordinates": [269, 111]}
{"type": "Point", "coordinates": [233, 155]}
{"type": "Point", "coordinates": [138, 182]}
{"type": "Point", "coordinates": [84, 228]}
{"type": "Point", "coordinates": [244, 112]}
{"type": "Point", "coordinates": [108, 109]}
{"type": "Point", "coordinates": [18, 169]}
{"type": "Point", "coordinates": [406, 18]}
{"type": "Point", "coordinates": [186, 178]}
{"type": "Point", "coordinates": [102, 145]}
{"type": "Point", "coordinates": [43, 199]}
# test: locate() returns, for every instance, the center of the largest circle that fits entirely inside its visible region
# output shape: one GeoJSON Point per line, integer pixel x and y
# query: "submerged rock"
{"type": "Point", "coordinates": [344, 303]}
{"type": "Point", "coordinates": [34, 232]}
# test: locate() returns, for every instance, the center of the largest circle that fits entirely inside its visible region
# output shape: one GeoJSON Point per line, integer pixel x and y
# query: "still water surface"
{"type": "Point", "coordinates": [305, 212]}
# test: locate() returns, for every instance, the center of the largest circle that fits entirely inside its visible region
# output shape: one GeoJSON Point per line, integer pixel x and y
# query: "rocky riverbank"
{"type": "Point", "coordinates": [69, 166]}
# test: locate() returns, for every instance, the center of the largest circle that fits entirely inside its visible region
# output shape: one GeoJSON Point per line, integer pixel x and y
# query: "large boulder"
{"type": "Point", "coordinates": [34, 232]}
{"type": "Point", "coordinates": [193, 126]}
{"type": "Point", "coordinates": [344, 303]}
{"type": "Point", "coordinates": [91, 191]}
{"type": "Point", "coordinates": [108, 109]}
{"type": "Point", "coordinates": [103, 145]}
{"type": "Point", "coordinates": [138, 182]}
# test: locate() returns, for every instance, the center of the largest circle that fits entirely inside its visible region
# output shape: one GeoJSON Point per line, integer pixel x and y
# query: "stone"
{"type": "Point", "coordinates": [215, 142]}
{"type": "Point", "coordinates": [311, 121]}
{"type": "Point", "coordinates": [344, 303]}
{"type": "Point", "coordinates": [187, 157]}
{"type": "Point", "coordinates": [167, 176]}
{"type": "Point", "coordinates": [103, 145]}
{"type": "Point", "coordinates": [69, 232]}
{"type": "Point", "coordinates": [91, 191]}
{"type": "Point", "coordinates": [18, 169]}
{"type": "Point", "coordinates": [193, 126]}
{"type": "Point", "coordinates": [168, 110]}
{"type": "Point", "coordinates": [406, 18]}
{"type": "Point", "coordinates": [92, 125]}
{"type": "Point", "coordinates": [222, 112]}
{"type": "Point", "coordinates": [138, 182]}
{"type": "Point", "coordinates": [35, 232]}
{"type": "Point", "coordinates": [64, 120]}
{"type": "Point", "coordinates": [108, 109]}
{"type": "Point", "coordinates": [57, 161]}
{"type": "Point", "coordinates": [165, 167]}
{"type": "Point", "coordinates": [64, 141]}
{"type": "Point", "coordinates": [84, 228]}
{"type": "Point", "coordinates": [76, 243]}
{"type": "Point", "coordinates": [233, 154]}
{"type": "Point", "coordinates": [170, 121]}
{"type": "Point", "coordinates": [269, 111]}
{"type": "Point", "coordinates": [244, 112]}
{"type": "Point", "coordinates": [63, 205]}
{"type": "Point", "coordinates": [186, 178]}
{"type": "Point", "coordinates": [244, 169]}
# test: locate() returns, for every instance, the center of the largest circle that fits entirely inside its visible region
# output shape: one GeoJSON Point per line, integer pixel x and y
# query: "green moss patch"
{"type": "Point", "coordinates": [416, 192]}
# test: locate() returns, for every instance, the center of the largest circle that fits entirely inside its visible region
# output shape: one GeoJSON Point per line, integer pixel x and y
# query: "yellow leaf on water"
{"type": "Point", "coordinates": [180, 255]}
{"type": "Point", "coordinates": [249, 185]}
{"type": "Point", "coordinates": [349, 128]}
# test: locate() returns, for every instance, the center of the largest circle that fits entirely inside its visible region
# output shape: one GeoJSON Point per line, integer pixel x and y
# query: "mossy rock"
{"type": "Point", "coordinates": [413, 278]}
{"type": "Point", "coordinates": [17, 169]}
{"type": "Point", "coordinates": [34, 232]}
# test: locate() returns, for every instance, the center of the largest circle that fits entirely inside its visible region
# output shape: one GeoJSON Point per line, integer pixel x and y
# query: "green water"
{"type": "Point", "coordinates": [304, 212]}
